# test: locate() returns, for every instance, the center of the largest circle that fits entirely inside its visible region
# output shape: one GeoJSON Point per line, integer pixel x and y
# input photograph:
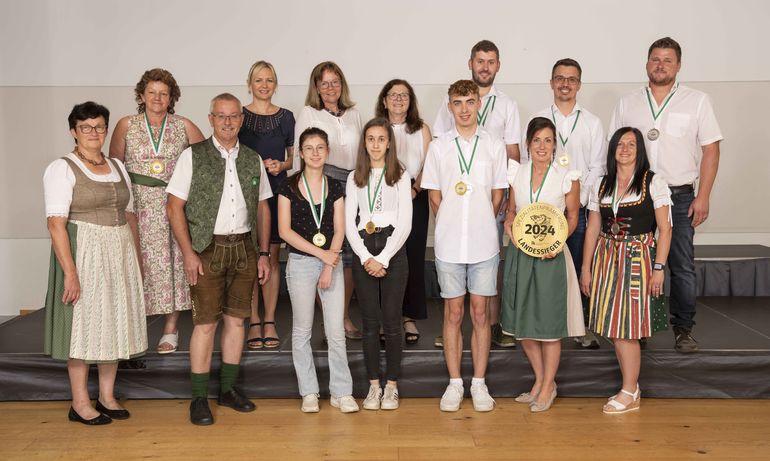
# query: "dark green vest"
{"type": "Point", "coordinates": [208, 179]}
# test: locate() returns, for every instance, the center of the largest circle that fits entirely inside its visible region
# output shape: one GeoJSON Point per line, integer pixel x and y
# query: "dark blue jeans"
{"type": "Point", "coordinates": [681, 263]}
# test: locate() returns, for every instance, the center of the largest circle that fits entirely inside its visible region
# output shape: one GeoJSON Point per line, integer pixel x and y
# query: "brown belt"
{"type": "Point", "coordinates": [231, 238]}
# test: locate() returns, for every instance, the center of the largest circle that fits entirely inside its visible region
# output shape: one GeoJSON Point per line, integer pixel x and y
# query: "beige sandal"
{"type": "Point", "coordinates": [171, 339]}
{"type": "Point", "coordinates": [613, 407]}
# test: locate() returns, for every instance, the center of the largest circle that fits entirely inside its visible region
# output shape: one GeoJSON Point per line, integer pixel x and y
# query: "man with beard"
{"type": "Point", "coordinates": [499, 115]}
{"type": "Point", "coordinates": [676, 120]}
{"type": "Point", "coordinates": [580, 146]}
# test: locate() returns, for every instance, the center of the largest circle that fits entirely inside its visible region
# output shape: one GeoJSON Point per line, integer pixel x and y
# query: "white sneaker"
{"type": "Point", "coordinates": [310, 404]}
{"type": "Point", "coordinates": [482, 401]}
{"type": "Point", "coordinates": [372, 400]}
{"type": "Point", "coordinates": [390, 398]}
{"type": "Point", "coordinates": [346, 403]}
{"type": "Point", "coordinates": [453, 396]}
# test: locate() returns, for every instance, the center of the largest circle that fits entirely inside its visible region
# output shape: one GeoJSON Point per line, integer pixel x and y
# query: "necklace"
{"type": "Point", "coordinates": [335, 113]}
{"type": "Point", "coordinates": [83, 158]}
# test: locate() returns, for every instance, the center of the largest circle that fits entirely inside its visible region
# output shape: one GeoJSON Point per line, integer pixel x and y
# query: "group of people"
{"type": "Point", "coordinates": [170, 221]}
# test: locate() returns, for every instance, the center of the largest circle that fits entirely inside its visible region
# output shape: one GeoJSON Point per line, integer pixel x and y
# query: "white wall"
{"type": "Point", "coordinates": [54, 54]}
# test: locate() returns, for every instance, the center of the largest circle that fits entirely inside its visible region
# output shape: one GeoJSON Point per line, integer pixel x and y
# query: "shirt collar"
{"type": "Point", "coordinates": [224, 152]}
{"type": "Point", "coordinates": [673, 88]}
{"type": "Point", "coordinates": [492, 92]}
{"type": "Point", "coordinates": [555, 110]}
{"type": "Point", "coordinates": [456, 134]}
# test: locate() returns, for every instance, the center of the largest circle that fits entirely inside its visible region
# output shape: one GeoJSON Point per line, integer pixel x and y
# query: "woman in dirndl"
{"type": "Point", "coordinates": [95, 302]}
{"type": "Point", "coordinates": [623, 262]}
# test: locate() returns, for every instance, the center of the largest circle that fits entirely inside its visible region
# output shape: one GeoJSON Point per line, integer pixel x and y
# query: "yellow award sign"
{"type": "Point", "coordinates": [540, 229]}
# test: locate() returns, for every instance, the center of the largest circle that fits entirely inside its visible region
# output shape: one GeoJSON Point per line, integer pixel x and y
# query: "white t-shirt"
{"type": "Point", "coordinates": [502, 119]}
{"type": "Point", "coordinates": [686, 124]}
{"type": "Point", "coordinates": [344, 135]}
{"type": "Point", "coordinates": [232, 217]}
{"type": "Point", "coordinates": [466, 231]}
{"type": "Point", "coordinates": [59, 181]}
{"type": "Point", "coordinates": [392, 207]}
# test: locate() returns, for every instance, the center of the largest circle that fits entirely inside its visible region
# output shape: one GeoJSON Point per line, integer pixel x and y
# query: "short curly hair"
{"type": "Point", "coordinates": [463, 88]}
{"type": "Point", "coordinates": [157, 75]}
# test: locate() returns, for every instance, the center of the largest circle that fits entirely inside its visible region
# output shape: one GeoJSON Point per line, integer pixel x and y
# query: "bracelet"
{"type": "Point", "coordinates": [264, 253]}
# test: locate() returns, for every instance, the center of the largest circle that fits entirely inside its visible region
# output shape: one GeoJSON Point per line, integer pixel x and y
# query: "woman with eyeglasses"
{"type": "Point", "coordinates": [398, 104]}
{"type": "Point", "coordinates": [311, 220]}
{"type": "Point", "coordinates": [269, 130]}
{"type": "Point", "coordinates": [328, 106]}
{"type": "Point", "coordinates": [150, 144]}
{"type": "Point", "coordinates": [95, 304]}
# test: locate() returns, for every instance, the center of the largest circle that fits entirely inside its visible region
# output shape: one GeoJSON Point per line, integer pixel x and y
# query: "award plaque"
{"type": "Point", "coordinates": [319, 240]}
{"type": "Point", "coordinates": [540, 229]}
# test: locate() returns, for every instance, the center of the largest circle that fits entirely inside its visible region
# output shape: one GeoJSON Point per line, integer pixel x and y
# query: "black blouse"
{"type": "Point", "coordinates": [302, 218]}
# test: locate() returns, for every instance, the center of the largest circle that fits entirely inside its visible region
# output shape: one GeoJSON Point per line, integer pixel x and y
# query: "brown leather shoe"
{"type": "Point", "coordinates": [685, 343]}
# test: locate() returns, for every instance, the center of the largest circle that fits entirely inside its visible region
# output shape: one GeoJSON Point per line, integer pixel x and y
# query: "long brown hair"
{"type": "Point", "coordinates": [393, 168]}
{"type": "Point", "coordinates": [413, 120]}
{"type": "Point", "coordinates": [308, 133]}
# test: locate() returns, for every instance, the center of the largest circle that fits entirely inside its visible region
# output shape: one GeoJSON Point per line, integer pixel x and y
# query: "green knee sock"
{"type": "Point", "coordinates": [200, 385]}
{"type": "Point", "coordinates": [228, 374]}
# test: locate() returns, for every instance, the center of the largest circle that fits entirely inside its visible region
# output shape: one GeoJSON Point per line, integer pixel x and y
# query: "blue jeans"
{"type": "Point", "coordinates": [302, 273]}
{"type": "Point", "coordinates": [681, 263]}
{"type": "Point", "coordinates": [575, 241]}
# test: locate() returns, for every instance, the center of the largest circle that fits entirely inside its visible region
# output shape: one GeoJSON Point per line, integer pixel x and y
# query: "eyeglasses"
{"type": "Point", "coordinates": [227, 118]}
{"type": "Point", "coordinates": [397, 96]}
{"type": "Point", "coordinates": [85, 129]}
{"type": "Point", "coordinates": [310, 149]}
{"type": "Point", "coordinates": [561, 79]}
{"type": "Point", "coordinates": [332, 84]}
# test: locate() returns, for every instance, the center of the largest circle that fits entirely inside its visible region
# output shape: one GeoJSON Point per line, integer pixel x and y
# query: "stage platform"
{"type": "Point", "coordinates": [734, 361]}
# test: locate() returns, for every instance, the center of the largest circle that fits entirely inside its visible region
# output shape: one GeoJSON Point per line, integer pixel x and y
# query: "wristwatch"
{"type": "Point", "coordinates": [658, 267]}
{"type": "Point", "coordinates": [264, 253]}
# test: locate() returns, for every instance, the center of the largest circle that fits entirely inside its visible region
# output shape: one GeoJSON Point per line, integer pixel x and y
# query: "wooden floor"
{"type": "Point", "coordinates": [573, 429]}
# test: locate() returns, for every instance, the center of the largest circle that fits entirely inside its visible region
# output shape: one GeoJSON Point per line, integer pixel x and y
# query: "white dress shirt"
{"type": "Point", "coordinates": [586, 148]}
{"type": "Point", "coordinates": [344, 135]}
{"type": "Point", "coordinates": [686, 124]}
{"type": "Point", "coordinates": [502, 121]}
{"type": "Point", "coordinates": [392, 207]}
{"type": "Point", "coordinates": [466, 232]}
{"type": "Point", "coordinates": [232, 217]}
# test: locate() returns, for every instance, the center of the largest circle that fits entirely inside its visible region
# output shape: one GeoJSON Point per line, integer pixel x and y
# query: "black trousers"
{"type": "Point", "coordinates": [414, 300]}
{"type": "Point", "coordinates": [380, 302]}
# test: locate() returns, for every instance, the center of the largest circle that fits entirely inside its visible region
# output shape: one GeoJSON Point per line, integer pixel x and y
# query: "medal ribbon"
{"type": "Point", "coordinates": [317, 217]}
{"type": "Point", "coordinates": [531, 174]}
{"type": "Point", "coordinates": [482, 116]}
{"type": "Point", "coordinates": [616, 204]}
{"type": "Point", "coordinates": [665, 103]}
{"type": "Point", "coordinates": [369, 196]}
{"type": "Point", "coordinates": [156, 144]}
{"type": "Point", "coordinates": [465, 167]}
{"type": "Point", "coordinates": [564, 141]}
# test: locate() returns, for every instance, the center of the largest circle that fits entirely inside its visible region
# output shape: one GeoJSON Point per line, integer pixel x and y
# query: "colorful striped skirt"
{"type": "Point", "coordinates": [621, 306]}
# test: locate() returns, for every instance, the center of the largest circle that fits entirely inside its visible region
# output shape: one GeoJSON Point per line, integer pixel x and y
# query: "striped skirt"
{"type": "Point", "coordinates": [621, 306]}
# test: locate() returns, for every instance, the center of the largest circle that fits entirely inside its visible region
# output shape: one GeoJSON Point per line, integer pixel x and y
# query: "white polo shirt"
{"type": "Point", "coordinates": [232, 217]}
{"type": "Point", "coordinates": [466, 232]}
{"type": "Point", "coordinates": [502, 119]}
{"type": "Point", "coordinates": [686, 124]}
{"type": "Point", "coordinates": [585, 148]}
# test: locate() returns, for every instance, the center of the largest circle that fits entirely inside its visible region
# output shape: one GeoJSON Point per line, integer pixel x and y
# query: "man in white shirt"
{"type": "Point", "coordinates": [580, 146]}
{"type": "Point", "coordinates": [682, 139]}
{"type": "Point", "coordinates": [218, 212]}
{"type": "Point", "coordinates": [465, 174]}
{"type": "Point", "coordinates": [499, 115]}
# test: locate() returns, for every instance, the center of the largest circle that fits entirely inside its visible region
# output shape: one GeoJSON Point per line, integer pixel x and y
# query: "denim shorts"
{"type": "Point", "coordinates": [479, 278]}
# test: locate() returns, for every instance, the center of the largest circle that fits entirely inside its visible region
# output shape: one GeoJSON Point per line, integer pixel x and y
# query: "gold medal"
{"type": "Point", "coordinates": [564, 159]}
{"type": "Point", "coordinates": [461, 188]}
{"type": "Point", "coordinates": [157, 167]}
{"type": "Point", "coordinates": [370, 227]}
{"type": "Point", "coordinates": [653, 134]}
{"type": "Point", "coordinates": [319, 240]}
{"type": "Point", "coordinates": [539, 229]}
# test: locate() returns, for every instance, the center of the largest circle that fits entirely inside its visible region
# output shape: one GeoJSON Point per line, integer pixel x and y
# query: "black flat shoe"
{"type": "Point", "coordinates": [114, 414]}
{"type": "Point", "coordinates": [236, 400]}
{"type": "Point", "coordinates": [200, 414]}
{"type": "Point", "coordinates": [98, 421]}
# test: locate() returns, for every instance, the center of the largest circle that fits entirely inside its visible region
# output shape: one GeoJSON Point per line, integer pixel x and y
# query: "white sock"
{"type": "Point", "coordinates": [477, 381]}
{"type": "Point", "coordinates": [456, 382]}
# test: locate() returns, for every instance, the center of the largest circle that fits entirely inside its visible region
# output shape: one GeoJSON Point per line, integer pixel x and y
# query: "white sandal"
{"type": "Point", "coordinates": [613, 407]}
{"type": "Point", "coordinates": [169, 338]}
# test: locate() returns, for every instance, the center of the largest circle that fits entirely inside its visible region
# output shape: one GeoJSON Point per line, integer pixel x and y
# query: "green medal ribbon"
{"type": "Point", "coordinates": [369, 196]}
{"type": "Point", "coordinates": [564, 141]}
{"type": "Point", "coordinates": [155, 144]}
{"type": "Point", "coordinates": [531, 174]}
{"type": "Point", "coordinates": [655, 115]}
{"type": "Point", "coordinates": [616, 204]}
{"type": "Point", "coordinates": [465, 167]}
{"type": "Point", "coordinates": [481, 117]}
{"type": "Point", "coordinates": [317, 217]}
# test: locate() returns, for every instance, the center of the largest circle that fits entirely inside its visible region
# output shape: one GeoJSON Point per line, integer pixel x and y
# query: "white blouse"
{"type": "Point", "coordinates": [554, 190]}
{"type": "Point", "coordinates": [659, 192]}
{"type": "Point", "coordinates": [344, 135]}
{"type": "Point", "coordinates": [59, 181]}
{"type": "Point", "coordinates": [410, 148]}
{"type": "Point", "coordinates": [392, 207]}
